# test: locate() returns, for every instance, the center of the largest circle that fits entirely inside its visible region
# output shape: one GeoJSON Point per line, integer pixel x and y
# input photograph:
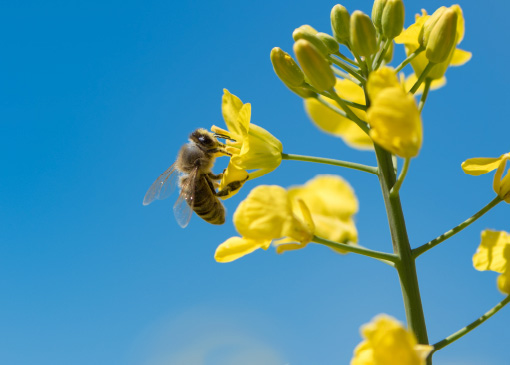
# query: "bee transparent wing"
{"type": "Point", "coordinates": [183, 208]}
{"type": "Point", "coordinates": [163, 186]}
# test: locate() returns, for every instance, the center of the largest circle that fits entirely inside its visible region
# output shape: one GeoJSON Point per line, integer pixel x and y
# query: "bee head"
{"type": "Point", "coordinates": [203, 138]}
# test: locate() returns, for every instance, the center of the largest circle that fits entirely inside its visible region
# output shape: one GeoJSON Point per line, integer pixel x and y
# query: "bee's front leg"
{"type": "Point", "coordinates": [231, 187]}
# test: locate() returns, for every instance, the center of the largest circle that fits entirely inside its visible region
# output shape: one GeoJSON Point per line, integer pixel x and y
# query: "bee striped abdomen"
{"type": "Point", "coordinates": [207, 205]}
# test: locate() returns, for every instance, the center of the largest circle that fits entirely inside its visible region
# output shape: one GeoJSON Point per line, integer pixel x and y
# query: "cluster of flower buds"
{"type": "Point", "coordinates": [438, 34]}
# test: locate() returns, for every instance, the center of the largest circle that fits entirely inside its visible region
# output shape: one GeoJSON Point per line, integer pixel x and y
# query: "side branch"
{"type": "Point", "coordinates": [382, 256]}
{"type": "Point", "coordinates": [454, 337]}
{"type": "Point", "coordinates": [330, 161]}
{"type": "Point", "coordinates": [436, 241]}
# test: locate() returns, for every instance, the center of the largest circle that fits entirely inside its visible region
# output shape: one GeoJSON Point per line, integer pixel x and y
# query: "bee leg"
{"type": "Point", "coordinates": [219, 150]}
{"type": "Point", "coordinates": [215, 176]}
{"type": "Point", "coordinates": [231, 187]}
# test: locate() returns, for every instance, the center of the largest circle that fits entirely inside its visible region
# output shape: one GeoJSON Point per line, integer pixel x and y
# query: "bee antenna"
{"type": "Point", "coordinates": [223, 136]}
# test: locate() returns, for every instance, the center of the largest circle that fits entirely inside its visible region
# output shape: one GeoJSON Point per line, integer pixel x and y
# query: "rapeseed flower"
{"type": "Point", "coordinates": [252, 148]}
{"type": "Point", "coordinates": [393, 116]}
{"type": "Point", "coordinates": [387, 342]}
{"type": "Point", "coordinates": [483, 165]}
{"type": "Point", "coordinates": [494, 254]}
{"type": "Point", "coordinates": [410, 38]}
{"type": "Point", "coordinates": [265, 215]}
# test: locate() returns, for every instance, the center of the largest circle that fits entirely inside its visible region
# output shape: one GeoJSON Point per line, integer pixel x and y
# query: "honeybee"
{"type": "Point", "coordinates": [192, 172]}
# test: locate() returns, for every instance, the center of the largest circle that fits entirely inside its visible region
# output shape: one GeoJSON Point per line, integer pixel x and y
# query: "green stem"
{"type": "Point", "coordinates": [344, 66]}
{"type": "Point", "coordinates": [396, 188]}
{"type": "Point", "coordinates": [346, 59]}
{"type": "Point", "coordinates": [405, 266]}
{"type": "Point", "coordinates": [380, 55]}
{"type": "Point", "coordinates": [383, 256]}
{"type": "Point", "coordinates": [350, 114]}
{"type": "Point", "coordinates": [329, 161]}
{"type": "Point", "coordinates": [422, 77]}
{"type": "Point", "coordinates": [454, 337]}
{"type": "Point", "coordinates": [426, 90]}
{"type": "Point", "coordinates": [436, 241]}
{"type": "Point", "coordinates": [409, 59]}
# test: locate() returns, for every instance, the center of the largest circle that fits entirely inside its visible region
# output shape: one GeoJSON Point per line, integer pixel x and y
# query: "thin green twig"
{"type": "Point", "coordinates": [348, 68]}
{"type": "Point", "coordinates": [454, 337]}
{"type": "Point", "coordinates": [426, 89]}
{"type": "Point", "coordinates": [409, 59]}
{"type": "Point", "coordinates": [436, 241]}
{"type": "Point", "coordinates": [396, 188]}
{"type": "Point", "coordinates": [350, 114]}
{"type": "Point", "coordinates": [329, 161]}
{"type": "Point", "coordinates": [382, 256]}
{"type": "Point", "coordinates": [422, 77]}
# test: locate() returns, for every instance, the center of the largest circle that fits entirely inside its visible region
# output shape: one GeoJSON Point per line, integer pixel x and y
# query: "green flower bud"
{"type": "Point", "coordinates": [304, 32]}
{"type": "Point", "coordinates": [363, 40]}
{"type": "Point", "coordinates": [286, 68]}
{"type": "Point", "coordinates": [314, 65]}
{"type": "Point", "coordinates": [441, 41]}
{"type": "Point", "coordinates": [305, 28]}
{"type": "Point", "coordinates": [377, 12]}
{"type": "Point", "coordinates": [423, 38]}
{"type": "Point", "coordinates": [340, 22]}
{"type": "Point", "coordinates": [393, 18]}
{"type": "Point", "coordinates": [330, 42]}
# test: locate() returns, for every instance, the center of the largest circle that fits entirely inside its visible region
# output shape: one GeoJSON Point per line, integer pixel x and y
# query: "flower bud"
{"type": "Point", "coordinates": [441, 39]}
{"type": "Point", "coordinates": [286, 68]}
{"type": "Point", "coordinates": [340, 22]}
{"type": "Point", "coordinates": [363, 40]}
{"type": "Point", "coordinates": [377, 12]}
{"type": "Point", "coordinates": [305, 33]}
{"type": "Point", "coordinates": [423, 37]}
{"type": "Point", "coordinates": [305, 28]}
{"type": "Point", "coordinates": [314, 65]}
{"type": "Point", "coordinates": [330, 42]}
{"type": "Point", "coordinates": [392, 21]}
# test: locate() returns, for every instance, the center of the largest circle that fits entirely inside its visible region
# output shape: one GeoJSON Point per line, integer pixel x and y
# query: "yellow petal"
{"type": "Point", "coordinates": [328, 195]}
{"type": "Point", "coordinates": [230, 107]}
{"type": "Point", "coordinates": [396, 122]}
{"type": "Point", "coordinates": [388, 343]}
{"type": "Point", "coordinates": [264, 213]}
{"type": "Point", "coordinates": [333, 123]}
{"type": "Point", "coordinates": [236, 247]}
{"type": "Point", "coordinates": [460, 57]}
{"type": "Point", "coordinates": [410, 36]}
{"type": "Point", "coordinates": [494, 251]}
{"type": "Point", "coordinates": [381, 79]}
{"type": "Point", "coordinates": [504, 282]}
{"type": "Point", "coordinates": [260, 150]}
{"type": "Point", "coordinates": [480, 165]}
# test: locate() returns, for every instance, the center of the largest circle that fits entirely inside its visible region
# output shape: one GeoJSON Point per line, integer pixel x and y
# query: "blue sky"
{"type": "Point", "coordinates": [97, 98]}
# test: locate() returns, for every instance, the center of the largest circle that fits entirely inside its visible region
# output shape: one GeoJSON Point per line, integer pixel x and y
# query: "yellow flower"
{"type": "Point", "coordinates": [483, 165]}
{"type": "Point", "coordinates": [265, 215]}
{"type": "Point", "coordinates": [333, 123]}
{"type": "Point", "coordinates": [410, 39]}
{"type": "Point", "coordinates": [332, 204]}
{"type": "Point", "coordinates": [494, 254]}
{"type": "Point", "coordinates": [387, 342]}
{"type": "Point", "coordinates": [394, 118]}
{"type": "Point", "coordinates": [253, 147]}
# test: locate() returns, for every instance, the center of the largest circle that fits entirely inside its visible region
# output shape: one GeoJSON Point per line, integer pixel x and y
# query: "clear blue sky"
{"type": "Point", "coordinates": [96, 99]}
